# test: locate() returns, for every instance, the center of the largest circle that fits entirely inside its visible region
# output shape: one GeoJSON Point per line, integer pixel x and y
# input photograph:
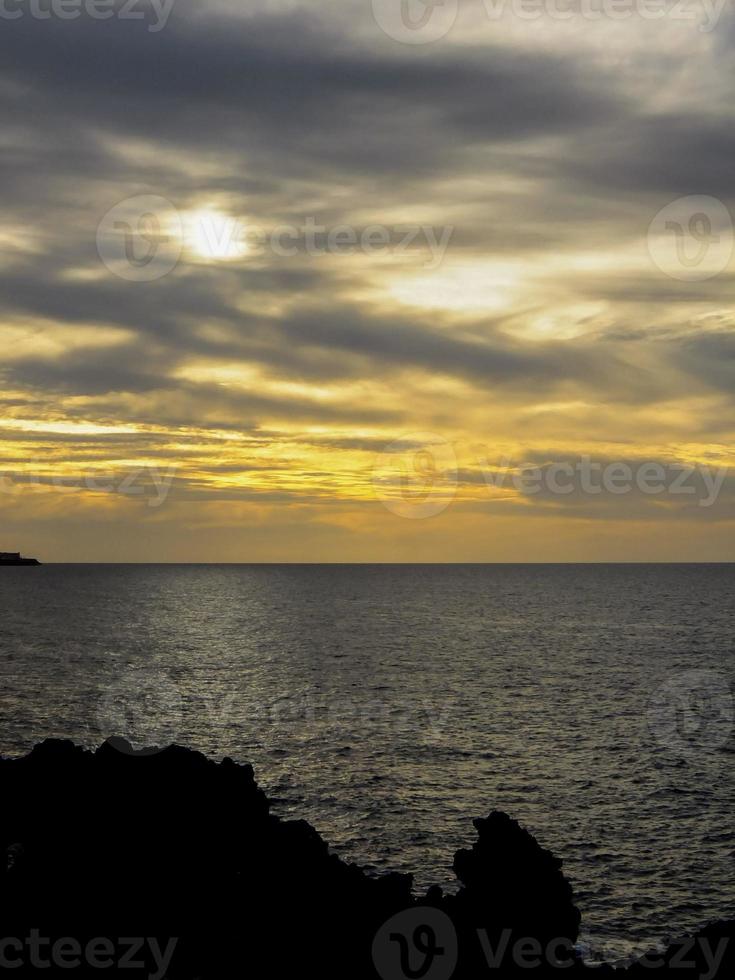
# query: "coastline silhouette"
{"type": "Point", "coordinates": [15, 558]}
{"type": "Point", "coordinates": [180, 857]}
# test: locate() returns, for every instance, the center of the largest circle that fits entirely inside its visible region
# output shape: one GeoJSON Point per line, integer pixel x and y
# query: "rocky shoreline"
{"type": "Point", "coordinates": [170, 863]}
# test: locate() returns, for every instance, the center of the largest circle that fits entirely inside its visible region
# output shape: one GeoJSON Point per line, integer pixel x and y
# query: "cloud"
{"type": "Point", "coordinates": [274, 380]}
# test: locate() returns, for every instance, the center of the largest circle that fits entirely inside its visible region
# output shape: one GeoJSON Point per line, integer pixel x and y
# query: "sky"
{"type": "Point", "coordinates": [351, 280]}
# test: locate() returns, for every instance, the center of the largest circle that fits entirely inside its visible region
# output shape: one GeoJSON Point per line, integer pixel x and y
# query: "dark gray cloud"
{"type": "Point", "coordinates": [662, 155]}
{"type": "Point", "coordinates": [286, 92]}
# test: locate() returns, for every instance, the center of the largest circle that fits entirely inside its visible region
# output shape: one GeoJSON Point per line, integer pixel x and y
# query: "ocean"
{"type": "Point", "coordinates": [390, 705]}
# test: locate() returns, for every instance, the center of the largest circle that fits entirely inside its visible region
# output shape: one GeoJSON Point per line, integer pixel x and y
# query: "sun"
{"type": "Point", "coordinates": [215, 236]}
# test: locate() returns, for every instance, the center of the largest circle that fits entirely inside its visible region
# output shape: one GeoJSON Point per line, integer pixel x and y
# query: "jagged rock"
{"type": "Point", "coordinates": [511, 881]}
{"type": "Point", "coordinates": [114, 844]}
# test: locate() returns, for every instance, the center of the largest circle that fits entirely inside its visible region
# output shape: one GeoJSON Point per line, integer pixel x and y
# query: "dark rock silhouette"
{"type": "Point", "coordinates": [182, 854]}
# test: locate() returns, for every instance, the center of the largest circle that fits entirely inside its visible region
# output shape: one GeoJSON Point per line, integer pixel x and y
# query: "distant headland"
{"type": "Point", "coordinates": [15, 558]}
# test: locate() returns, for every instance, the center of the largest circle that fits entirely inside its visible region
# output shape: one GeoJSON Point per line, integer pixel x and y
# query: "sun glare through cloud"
{"type": "Point", "coordinates": [215, 236]}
